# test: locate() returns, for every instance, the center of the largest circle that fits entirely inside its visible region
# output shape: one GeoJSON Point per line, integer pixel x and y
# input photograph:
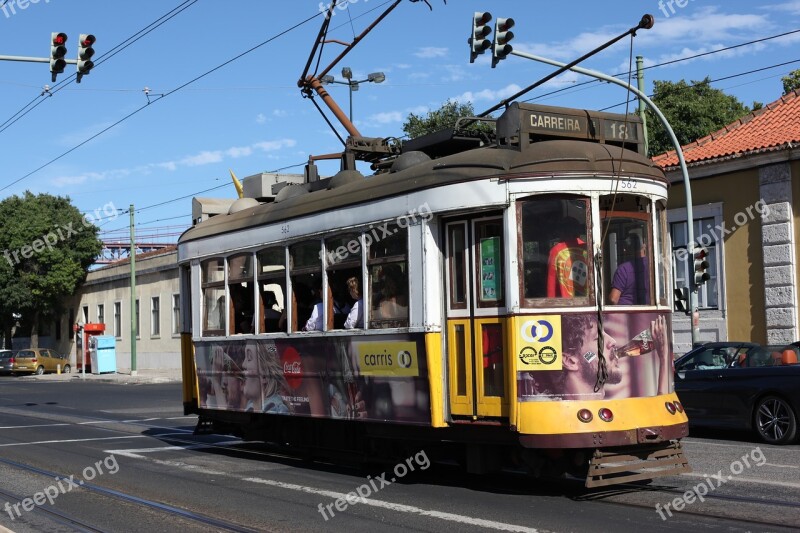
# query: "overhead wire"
{"type": "Point", "coordinates": [160, 97]}
{"type": "Point", "coordinates": [50, 91]}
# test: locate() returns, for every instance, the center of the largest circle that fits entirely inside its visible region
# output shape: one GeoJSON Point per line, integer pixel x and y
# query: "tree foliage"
{"type": "Point", "coordinates": [791, 81]}
{"type": "Point", "coordinates": [442, 118]}
{"type": "Point", "coordinates": [693, 111]}
{"type": "Point", "coordinates": [47, 248]}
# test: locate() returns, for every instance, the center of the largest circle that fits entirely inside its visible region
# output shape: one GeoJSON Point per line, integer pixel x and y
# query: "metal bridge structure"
{"type": "Point", "coordinates": [117, 243]}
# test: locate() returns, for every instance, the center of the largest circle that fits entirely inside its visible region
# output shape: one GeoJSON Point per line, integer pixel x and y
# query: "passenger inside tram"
{"type": "Point", "coordinates": [567, 264]}
{"type": "Point", "coordinates": [394, 301]}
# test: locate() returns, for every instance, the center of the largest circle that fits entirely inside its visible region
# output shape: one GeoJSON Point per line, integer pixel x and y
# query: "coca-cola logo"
{"type": "Point", "coordinates": [292, 367]}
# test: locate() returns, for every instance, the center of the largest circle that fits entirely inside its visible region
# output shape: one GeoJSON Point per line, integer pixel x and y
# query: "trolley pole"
{"type": "Point", "coordinates": [133, 295]}
{"type": "Point", "coordinates": [686, 185]}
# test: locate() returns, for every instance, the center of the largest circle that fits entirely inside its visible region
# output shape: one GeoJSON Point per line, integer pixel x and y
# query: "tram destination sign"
{"type": "Point", "coordinates": [535, 122]}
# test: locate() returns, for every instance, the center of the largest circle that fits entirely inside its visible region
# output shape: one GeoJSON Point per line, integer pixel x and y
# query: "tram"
{"type": "Point", "coordinates": [504, 299]}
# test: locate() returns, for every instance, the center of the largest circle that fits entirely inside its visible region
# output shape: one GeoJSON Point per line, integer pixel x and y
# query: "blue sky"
{"type": "Point", "coordinates": [249, 115]}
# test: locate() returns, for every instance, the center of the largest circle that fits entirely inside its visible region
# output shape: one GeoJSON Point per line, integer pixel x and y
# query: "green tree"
{"type": "Point", "coordinates": [442, 118]}
{"type": "Point", "coordinates": [47, 248]}
{"type": "Point", "coordinates": [791, 82]}
{"type": "Point", "coordinates": [693, 111]}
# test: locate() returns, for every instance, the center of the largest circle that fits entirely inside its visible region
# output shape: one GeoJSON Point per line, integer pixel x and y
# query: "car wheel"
{"type": "Point", "coordinates": [67, 369]}
{"type": "Point", "coordinates": [39, 370]}
{"type": "Point", "coordinates": [775, 420]}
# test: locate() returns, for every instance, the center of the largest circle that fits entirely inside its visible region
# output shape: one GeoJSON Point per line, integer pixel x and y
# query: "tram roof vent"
{"type": "Point", "coordinates": [343, 177]}
{"type": "Point", "coordinates": [407, 160]}
{"type": "Point", "coordinates": [290, 191]}
{"type": "Point", "coordinates": [524, 124]}
{"type": "Point", "coordinates": [240, 204]}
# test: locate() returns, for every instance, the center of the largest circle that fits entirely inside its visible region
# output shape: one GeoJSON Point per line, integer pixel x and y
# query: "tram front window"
{"type": "Point", "coordinates": [214, 302]}
{"type": "Point", "coordinates": [627, 250]}
{"type": "Point", "coordinates": [555, 248]}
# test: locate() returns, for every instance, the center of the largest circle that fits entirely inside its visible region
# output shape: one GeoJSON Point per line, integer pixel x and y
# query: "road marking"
{"type": "Point", "coordinates": [479, 522]}
{"type": "Point", "coordinates": [74, 440]}
{"type": "Point", "coordinates": [491, 524]}
{"type": "Point", "coordinates": [748, 480]}
{"type": "Point", "coordinates": [34, 426]}
{"type": "Point", "coordinates": [781, 466]}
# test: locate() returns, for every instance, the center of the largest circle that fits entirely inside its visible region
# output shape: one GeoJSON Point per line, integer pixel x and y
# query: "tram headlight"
{"type": "Point", "coordinates": [605, 414]}
{"type": "Point", "coordinates": [678, 406]}
{"type": "Point", "coordinates": [670, 407]}
{"type": "Point", "coordinates": [585, 415]}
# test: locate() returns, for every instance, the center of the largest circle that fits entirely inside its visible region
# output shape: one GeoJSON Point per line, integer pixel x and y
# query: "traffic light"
{"type": "Point", "coordinates": [480, 30]}
{"type": "Point", "coordinates": [502, 36]}
{"type": "Point", "coordinates": [58, 50]}
{"type": "Point", "coordinates": [85, 53]}
{"type": "Point", "coordinates": [700, 266]}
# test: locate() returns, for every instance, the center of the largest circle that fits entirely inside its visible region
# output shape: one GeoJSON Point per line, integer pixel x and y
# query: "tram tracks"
{"type": "Point", "coordinates": [83, 525]}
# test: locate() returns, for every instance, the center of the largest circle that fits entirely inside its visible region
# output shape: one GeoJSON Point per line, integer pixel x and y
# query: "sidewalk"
{"type": "Point", "coordinates": [123, 377]}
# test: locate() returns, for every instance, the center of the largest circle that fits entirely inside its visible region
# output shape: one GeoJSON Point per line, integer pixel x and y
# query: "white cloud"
{"type": "Point", "coordinates": [429, 52]}
{"type": "Point", "coordinates": [453, 73]}
{"type": "Point", "coordinates": [206, 157]}
{"type": "Point", "coordinates": [386, 117]}
{"type": "Point", "coordinates": [792, 7]}
{"type": "Point", "coordinates": [489, 94]}
{"type": "Point", "coordinates": [279, 112]}
{"type": "Point", "coordinates": [261, 118]}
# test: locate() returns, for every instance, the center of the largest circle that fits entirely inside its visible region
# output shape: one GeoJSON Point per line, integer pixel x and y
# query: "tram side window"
{"type": "Point", "coordinates": [555, 248]}
{"type": "Point", "coordinates": [272, 289]}
{"type": "Point", "coordinates": [240, 289]}
{"type": "Point", "coordinates": [627, 250]}
{"type": "Point", "coordinates": [214, 303]}
{"type": "Point", "coordinates": [388, 280]}
{"type": "Point", "coordinates": [306, 274]}
{"type": "Point", "coordinates": [345, 299]}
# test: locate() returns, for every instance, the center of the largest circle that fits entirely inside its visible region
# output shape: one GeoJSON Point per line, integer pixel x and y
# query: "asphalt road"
{"type": "Point", "coordinates": [93, 456]}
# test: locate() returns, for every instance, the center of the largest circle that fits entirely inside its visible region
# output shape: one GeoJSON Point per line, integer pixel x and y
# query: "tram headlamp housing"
{"type": "Point", "coordinates": [605, 414]}
{"type": "Point", "coordinates": [585, 415]}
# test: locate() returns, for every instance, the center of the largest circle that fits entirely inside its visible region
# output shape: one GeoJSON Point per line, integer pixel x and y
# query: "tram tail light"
{"type": "Point", "coordinates": [670, 407]}
{"type": "Point", "coordinates": [605, 414]}
{"type": "Point", "coordinates": [678, 406]}
{"type": "Point", "coordinates": [585, 415]}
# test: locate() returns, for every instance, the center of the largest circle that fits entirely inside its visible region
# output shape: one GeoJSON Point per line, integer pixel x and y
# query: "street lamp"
{"type": "Point", "coordinates": [347, 74]}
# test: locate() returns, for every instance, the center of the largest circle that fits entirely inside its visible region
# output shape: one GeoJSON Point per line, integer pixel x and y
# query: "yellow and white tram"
{"type": "Point", "coordinates": [512, 300]}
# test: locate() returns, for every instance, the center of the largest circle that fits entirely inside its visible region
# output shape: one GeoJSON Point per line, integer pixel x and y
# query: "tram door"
{"type": "Point", "coordinates": [474, 279]}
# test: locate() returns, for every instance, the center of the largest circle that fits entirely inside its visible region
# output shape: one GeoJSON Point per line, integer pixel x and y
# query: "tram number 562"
{"type": "Point", "coordinates": [626, 184]}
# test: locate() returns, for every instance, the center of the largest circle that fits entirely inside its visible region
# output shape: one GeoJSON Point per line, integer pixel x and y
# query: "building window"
{"type": "Point", "coordinates": [155, 316]}
{"type": "Point", "coordinates": [118, 320]}
{"type": "Point", "coordinates": [138, 322]}
{"type": "Point", "coordinates": [176, 314]}
{"type": "Point", "coordinates": [706, 219]}
{"type": "Point", "coordinates": [101, 314]}
{"type": "Point", "coordinates": [85, 312]}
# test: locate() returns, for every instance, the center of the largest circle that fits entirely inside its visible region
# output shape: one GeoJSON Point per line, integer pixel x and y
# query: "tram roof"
{"type": "Point", "coordinates": [565, 158]}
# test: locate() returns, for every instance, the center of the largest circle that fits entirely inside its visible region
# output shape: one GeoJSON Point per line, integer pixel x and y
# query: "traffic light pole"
{"type": "Point", "coordinates": [687, 186]}
{"type": "Point", "coordinates": [35, 59]}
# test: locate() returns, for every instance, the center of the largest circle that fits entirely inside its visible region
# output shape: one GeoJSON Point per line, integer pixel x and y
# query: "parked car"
{"type": "Point", "coordinates": [5, 361]}
{"type": "Point", "coordinates": [39, 361]}
{"type": "Point", "coordinates": [742, 386]}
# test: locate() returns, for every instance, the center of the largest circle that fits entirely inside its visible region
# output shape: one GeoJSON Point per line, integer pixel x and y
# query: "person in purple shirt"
{"type": "Point", "coordinates": [631, 283]}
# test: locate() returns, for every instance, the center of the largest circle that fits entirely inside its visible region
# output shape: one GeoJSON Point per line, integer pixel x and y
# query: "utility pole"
{"type": "Point", "coordinates": [642, 104]}
{"type": "Point", "coordinates": [133, 295]}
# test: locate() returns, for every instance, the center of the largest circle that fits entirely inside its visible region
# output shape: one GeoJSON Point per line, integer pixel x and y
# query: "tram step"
{"type": "Point", "coordinates": [636, 463]}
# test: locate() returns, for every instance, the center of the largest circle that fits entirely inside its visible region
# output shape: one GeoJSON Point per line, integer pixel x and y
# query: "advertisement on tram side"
{"type": "Point", "coordinates": [558, 356]}
{"type": "Point", "coordinates": [379, 378]}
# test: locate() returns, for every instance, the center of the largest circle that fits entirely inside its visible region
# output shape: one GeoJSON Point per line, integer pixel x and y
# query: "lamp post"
{"type": "Point", "coordinates": [347, 74]}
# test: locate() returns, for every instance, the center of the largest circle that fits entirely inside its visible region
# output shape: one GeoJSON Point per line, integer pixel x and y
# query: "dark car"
{"type": "Point", "coordinates": [5, 361]}
{"type": "Point", "coordinates": [742, 386]}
